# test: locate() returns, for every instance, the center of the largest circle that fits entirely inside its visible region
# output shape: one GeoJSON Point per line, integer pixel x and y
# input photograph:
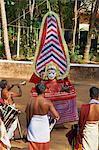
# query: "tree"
{"type": "Point", "coordinates": [4, 24]}
{"type": "Point", "coordinates": [94, 9]}
{"type": "Point", "coordinates": [75, 26]}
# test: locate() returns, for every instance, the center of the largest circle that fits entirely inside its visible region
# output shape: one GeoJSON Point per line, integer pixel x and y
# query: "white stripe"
{"type": "Point", "coordinates": [57, 46]}
{"type": "Point", "coordinates": [48, 54]}
{"type": "Point", "coordinates": [59, 63]}
{"type": "Point", "coordinates": [51, 23]}
{"type": "Point", "coordinates": [52, 59]}
{"type": "Point", "coordinates": [52, 18]}
{"type": "Point", "coordinates": [49, 34]}
{"type": "Point", "coordinates": [55, 29]}
{"type": "Point", "coordinates": [51, 47]}
{"type": "Point", "coordinates": [51, 38]}
{"type": "Point", "coordinates": [43, 63]}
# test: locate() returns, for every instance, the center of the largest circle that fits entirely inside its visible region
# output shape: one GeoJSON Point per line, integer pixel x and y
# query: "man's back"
{"type": "Point", "coordinates": [41, 106]}
{"type": "Point", "coordinates": [94, 112]}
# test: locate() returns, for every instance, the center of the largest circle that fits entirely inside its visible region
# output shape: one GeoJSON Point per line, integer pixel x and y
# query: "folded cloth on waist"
{"type": "Point", "coordinates": [38, 130]}
{"type": "Point", "coordinates": [3, 135]}
{"type": "Point", "coordinates": [90, 139]}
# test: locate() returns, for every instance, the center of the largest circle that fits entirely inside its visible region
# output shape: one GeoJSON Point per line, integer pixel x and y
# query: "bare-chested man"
{"type": "Point", "coordinates": [6, 94]}
{"type": "Point", "coordinates": [8, 97]}
{"type": "Point", "coordinates": [88, 122]}
{"type": "Point", "coordinates": [37, 120]}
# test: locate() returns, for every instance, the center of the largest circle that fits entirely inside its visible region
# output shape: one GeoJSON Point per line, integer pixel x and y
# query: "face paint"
{"type": "Point", "coordinates": [51, 74]}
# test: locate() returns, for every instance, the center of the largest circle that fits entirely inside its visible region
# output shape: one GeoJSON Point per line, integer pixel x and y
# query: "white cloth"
{"type": "Point", "coordinates": [90, 139]}
{"type": "Point", "coordinates": [38, 130]}
{"type": "Point", "coordinates": [3, 135]}
{"type": "Point", "coordinates": [94, 101]}
{"type": "Point", "coordinates": [13, 127]}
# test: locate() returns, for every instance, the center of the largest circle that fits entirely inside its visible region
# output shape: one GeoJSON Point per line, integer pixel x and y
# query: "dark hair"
{"type": "Point", "coordinates": [40, 88]}
{"type": "Point", "coordinates": [3, 84]}
{"type": "Point", "coordinates": [94, 92]}
{"type": "Point", "coordinates": [1, 115]}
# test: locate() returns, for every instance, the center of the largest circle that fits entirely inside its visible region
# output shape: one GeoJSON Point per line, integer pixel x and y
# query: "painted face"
{"type": "Point", "coordinates": [51, 74]}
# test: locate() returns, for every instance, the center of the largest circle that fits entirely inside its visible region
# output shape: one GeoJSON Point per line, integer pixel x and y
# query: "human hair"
{"type": "Point", "coordinates": [1, 115]}
{"type": "Point", "coordinates": [94, 92]}
{"type": "Point", "coordinates": [40, 88]}
{"type": "Point", "coordinates": [3, 84]}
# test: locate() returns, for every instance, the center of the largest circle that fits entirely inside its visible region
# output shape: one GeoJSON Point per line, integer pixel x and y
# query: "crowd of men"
{"type": "Point", "coordinates": [38, 131]}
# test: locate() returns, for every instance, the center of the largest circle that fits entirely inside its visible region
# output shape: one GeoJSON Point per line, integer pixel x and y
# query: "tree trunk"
{"type": "Point", "coordinates": [91, 26]}
{"type": "Point", "coordinates": [31, 9]}
{"type": "Point", "coordinates": [23, 21]}
{"type": "Point", "coordinates": [60, 15]}
{"type": "Point", "coordinates": [75, 26]}
{"type": "Point", "coordinates": [4, 24]}
{"type": "Point", "coordinates": [18, 39]}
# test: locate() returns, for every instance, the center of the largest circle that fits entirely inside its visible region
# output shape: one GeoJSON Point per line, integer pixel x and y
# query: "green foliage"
{"type": "Point", "coordinates": [2, 52]}
{"type": "Point", "coordinates": [67, 10]}
{"type": "Point", "coordinates": [14, 7]}
{"type": "Point", "coordinates": [76, 57]}
{"type": "Point", "coordinates": [92, 54]}
{"type": "Point", "coordinates": [27, 46]}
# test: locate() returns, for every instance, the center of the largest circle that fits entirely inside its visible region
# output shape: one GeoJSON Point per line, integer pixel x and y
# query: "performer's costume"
{"type": "Point", "coordinates": [52, 53]}
{"type": "Point", "coordinates": [10, 115]}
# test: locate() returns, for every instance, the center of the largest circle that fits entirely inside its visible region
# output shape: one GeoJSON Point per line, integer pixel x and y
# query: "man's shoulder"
{"type": "Point", "coordinates": [47, 101]}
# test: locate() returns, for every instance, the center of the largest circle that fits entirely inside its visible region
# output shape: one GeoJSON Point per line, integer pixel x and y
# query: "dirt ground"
{"type": "Point", "coordinates": [58, 139]}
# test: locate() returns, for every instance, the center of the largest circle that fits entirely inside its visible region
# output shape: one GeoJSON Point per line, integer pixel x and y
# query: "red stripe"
{"type": "Point", "coordinates": [51, 19]}
{"type": "Point", "coordinates": [43, 65]}
{"type": "Point", "coordinates": [60, 39]}
{"type": "Point", "coordinates": [52, 50]}
{"type": "Point", "coordinates": [51, 40]}
{"type": "Point", "coordinates": [49, 62]}
{"type": "Point", "coordinates": [51, 30]}
{"type": "Point", "coordinates": [42, 38]}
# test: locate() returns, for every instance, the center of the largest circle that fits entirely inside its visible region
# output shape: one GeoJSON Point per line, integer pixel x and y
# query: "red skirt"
{"type": "Point", "coordinates": [38, 146]}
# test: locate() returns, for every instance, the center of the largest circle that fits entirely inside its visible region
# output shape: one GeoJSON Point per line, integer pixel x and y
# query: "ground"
{"type": "Point", "coordinates": [58, 138]}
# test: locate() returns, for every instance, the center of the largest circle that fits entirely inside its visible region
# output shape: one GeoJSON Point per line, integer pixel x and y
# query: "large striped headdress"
{"type": "Point", "coordinates": [52, 47]}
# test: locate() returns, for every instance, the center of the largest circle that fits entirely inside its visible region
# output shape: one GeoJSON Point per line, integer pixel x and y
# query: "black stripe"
{"type": "Point", "coordinates": [56, 37]}
{"type": "Point", "coordinates": [53, 45]}
{"type": "Point", "coordinates": [64, 64]}
{"type": "Point", "coordinates": [51, 24]}
{"type": "Point", "coordinates": [43, 60]}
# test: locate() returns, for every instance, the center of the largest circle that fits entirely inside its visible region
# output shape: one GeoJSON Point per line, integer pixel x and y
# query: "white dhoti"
{"type": "Point", "coordinates": [38, 130]}
{"type": "Point", "coordinates": [90, 140]}
{"type": "Point", "coordinates": [3, 136]}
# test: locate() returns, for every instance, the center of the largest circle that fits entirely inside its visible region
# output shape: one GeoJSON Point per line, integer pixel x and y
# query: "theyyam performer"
{"type": "Point", "coordinates": [51, 66]}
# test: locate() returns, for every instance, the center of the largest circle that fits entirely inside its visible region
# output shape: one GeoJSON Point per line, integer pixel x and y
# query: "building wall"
{"type": "Point", "coordinates": [25, 70]}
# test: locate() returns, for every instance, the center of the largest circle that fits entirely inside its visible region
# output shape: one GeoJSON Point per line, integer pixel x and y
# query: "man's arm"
{"type": "Point", "coordinates": [19, 94]}
{"type": "Point", "coordinates": [54, 112]}
{"type": "Point", "coordinates": [29, 110]}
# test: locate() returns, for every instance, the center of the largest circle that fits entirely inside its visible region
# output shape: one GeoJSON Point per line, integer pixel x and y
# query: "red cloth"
{"type": "Point", "coordinates": [1, 101]}
{"type": "Point", "coordinates": [34, 79]}
{"type": "Point", "coordinates": [38, 146]}
{"type": "Point", "coordinates": [84, 112]}
{"type": "Point", "coordinates": [2, 146]}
